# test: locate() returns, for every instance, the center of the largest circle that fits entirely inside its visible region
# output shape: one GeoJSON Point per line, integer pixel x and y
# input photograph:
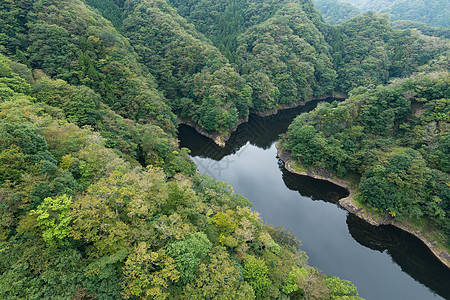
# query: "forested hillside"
{"type": "Point", "coordinates": [425, 29]}
{"type": "Point", "coordinates": [431, 12]}
{"type": "Point", "coordinates": [68, 41]}
{"type": "Point", "coordinates": [194, 75]}
{"type": "Point", "coordinates": [81, 220]}
{"type": "Point", "coordinates": [279, 48]}
{"type": "Point", "coordinates": [216, 61]}
{"type": "Point", "coordinates": [97, 201]}
{"type": "Point", "coordinates": [223, 21]}
{"type": "Point", "coordinates": [368, 51]}
{"type": "Point", "coordinates": [393, 141]}
{"type": "Point", "coordinates": [289, 53]}
{"type": "Point", "coordinates": [337, 12]}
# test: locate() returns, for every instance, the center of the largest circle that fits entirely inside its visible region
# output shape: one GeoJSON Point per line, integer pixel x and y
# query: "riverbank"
{"type": "Point", "coordinates": [352, 206]}
{"type": "Point", "coordinates": [218, 138]}
{"type": "Point", "coordinates": [284, 106]}
{"type": "Point", "coordinates": [221, 138]}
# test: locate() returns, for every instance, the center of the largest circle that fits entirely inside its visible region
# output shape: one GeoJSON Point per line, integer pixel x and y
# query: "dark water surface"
{"type": "Point", "coordinates": [383, 262]}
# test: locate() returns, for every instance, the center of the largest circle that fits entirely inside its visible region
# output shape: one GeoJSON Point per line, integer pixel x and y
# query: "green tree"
{"type": "Point", "coordinates": [148, 274]}
{"type": "Point", "coordinates": [219, 277]}
{"type": "Point", "coordinates": [188, 253]}
{"type": "Point", "coordinates": [54, 219]}
{"type": "Point", "coordinates": [255, 273]}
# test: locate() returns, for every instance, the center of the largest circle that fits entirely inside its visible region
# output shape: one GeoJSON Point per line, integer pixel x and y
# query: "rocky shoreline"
{"type": "Point", "coordinates": [220, 139]}
{"type": "Point", "coordinates": [274, 111]}
{"type": "Point", "coordinates": [217, 137]}
{"type": "Point", "coordinates": [357, 209]}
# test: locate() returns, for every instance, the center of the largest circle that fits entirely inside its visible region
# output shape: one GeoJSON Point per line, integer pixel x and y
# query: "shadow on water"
{"type": "Point", "coordinates": [312, 188]}
{"type": "Point", "coordinates": [413, 257]}
{"type": "Point", "coordinates": [259, 131]}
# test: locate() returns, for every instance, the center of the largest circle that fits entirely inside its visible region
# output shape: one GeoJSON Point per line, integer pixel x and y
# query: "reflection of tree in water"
{"type": "Point", "coordinates": [407, 251]}
{"type": "Point", "coordinates": [373, 237]}
{"type": "Point", "coordinates": [202, 146]}
{"type": "Point", "coordinates": [259, 131]}
{"type": "Point", "coordinates": [312, 188]}
{"type": "Point", "coordinates": [413, 257]}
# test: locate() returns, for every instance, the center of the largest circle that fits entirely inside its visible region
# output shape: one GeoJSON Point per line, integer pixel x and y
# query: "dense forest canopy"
{"type": "Point", "coordinates": [337, 12]}
{"type": "Point", "coordinates": [368, 51]}
{"type": "Point", "coordinates": [203, 54]}
{"type": "Point", "coordinates": [443, 32]}
{"type": "Point", "coordinates": [196, 77]}
{"type": "Point", "coordinates": [431, 12]}
{"type": "Point", "coordinates": [393, 140]}
{"type": "Point", "coordinates": [97, 199]}
{"type": "Point", "coordinates": [82, 219]}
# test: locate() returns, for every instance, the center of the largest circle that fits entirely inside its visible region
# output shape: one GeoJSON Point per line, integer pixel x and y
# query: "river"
{"type": "Point", "coordinates": [383, 262]}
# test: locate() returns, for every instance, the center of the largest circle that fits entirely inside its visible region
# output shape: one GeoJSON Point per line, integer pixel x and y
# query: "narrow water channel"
{"type": "Point", "coordinates": [383, 262]}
